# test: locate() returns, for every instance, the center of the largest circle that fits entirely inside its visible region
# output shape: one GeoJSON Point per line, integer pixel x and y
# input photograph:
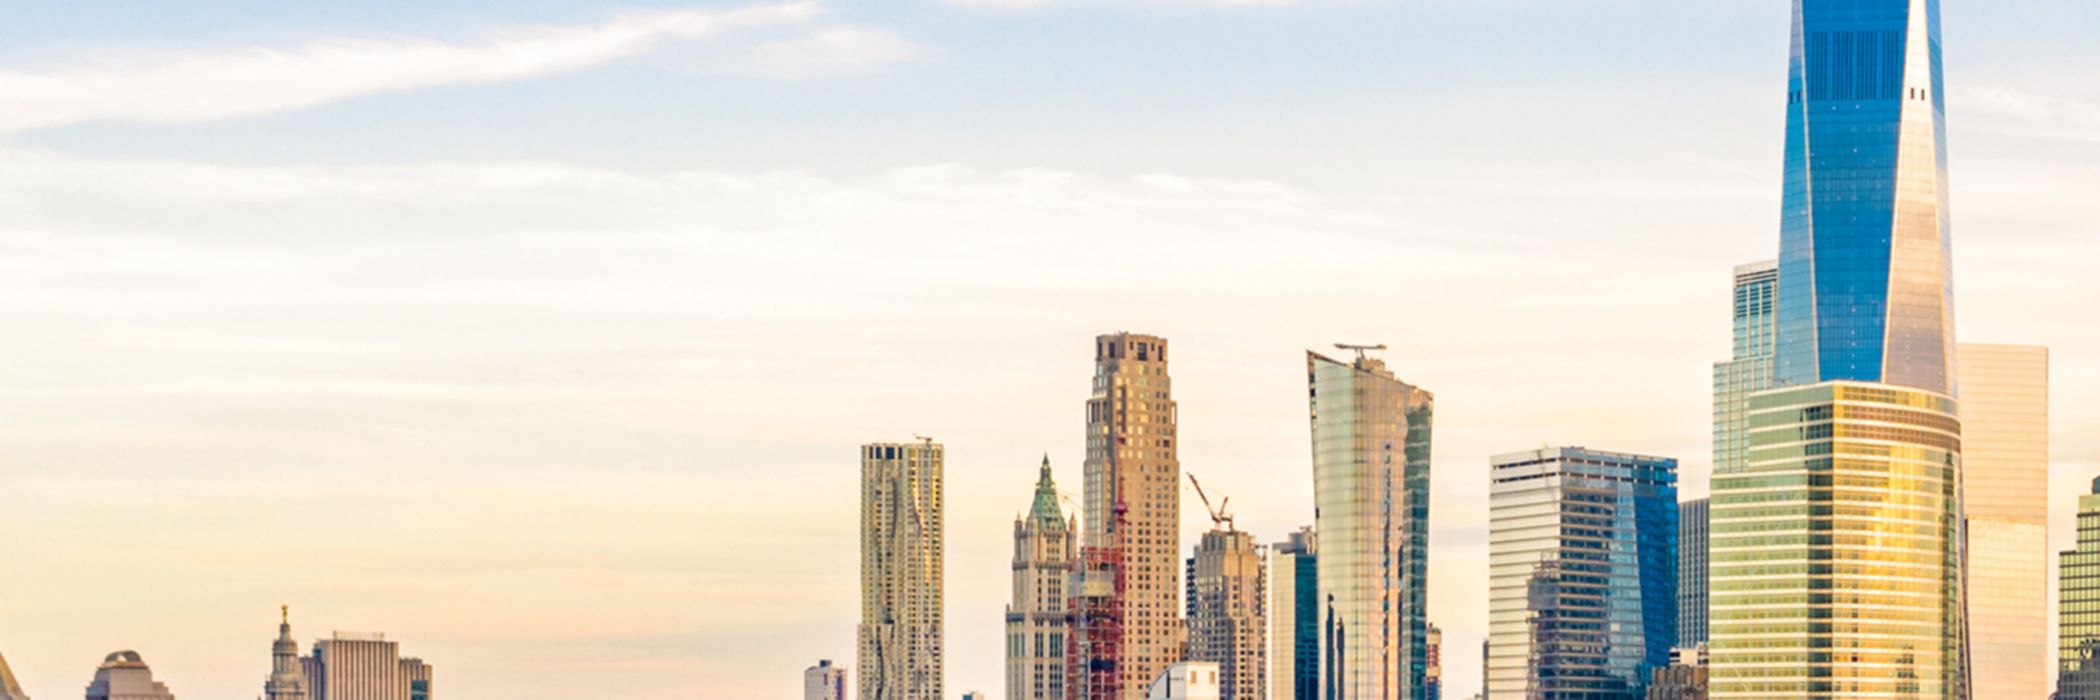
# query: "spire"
{"type": "Point", "coordinates": [9, 689]}
{"type": "Point", "coordinates": [287, 675]}
{"type": "Point", "coordinates": [1046, 511]}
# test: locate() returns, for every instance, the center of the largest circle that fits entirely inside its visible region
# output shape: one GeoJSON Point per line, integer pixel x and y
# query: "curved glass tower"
{"type": "Point", "coordinates": [1865, 292]}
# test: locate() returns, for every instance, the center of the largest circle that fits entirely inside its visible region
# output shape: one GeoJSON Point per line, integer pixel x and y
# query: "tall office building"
{"type": "Point", "coordinates": [1582, 563]}
{"type": "Point", "coordinates": [824, 682]}
{"type": "Point", "coordinates": [1371, 448]}
{"type": "Point", "coordinates": [2005, 501]}
{"type": "Point", "coordinates": [1294, 618]}
{"type": "Point", "coordinates": [1836, 543]}
{"type": "Point", "coordinates": [287, 679]}
{"type": "Point", "coordinates": [1691, 572]}
{"type": "Point", "coordinates": [9, 689]}
{"type": "Point", "coordinates": [1433, 681]}
{"type": "Point", "coordinates": [2078, 645]}
{"type": "Point", "coordinates": [1039, 617]}
{"type": "Point", "coordinates": [1133, 511]}
{"type": "Point", "coordinates": [125, 676]}
{"type": "Point", "coordinates": [1227, 604]}
{"type": "Point", "coordinates": [901, 555]}
{"type": "Point", "coordinates": [364, 666]}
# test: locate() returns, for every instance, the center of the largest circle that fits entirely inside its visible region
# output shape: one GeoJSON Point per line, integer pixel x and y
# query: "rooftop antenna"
{"type": "Point", "coordinates": [1219, 519]}
{"type": "Point", "coordinates": [1360, 349]}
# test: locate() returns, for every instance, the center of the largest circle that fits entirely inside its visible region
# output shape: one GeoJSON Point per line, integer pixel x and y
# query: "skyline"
{"type": "Point", "coordinates": [397, 403]}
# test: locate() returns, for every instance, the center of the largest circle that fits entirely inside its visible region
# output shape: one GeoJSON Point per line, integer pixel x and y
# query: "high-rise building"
{"type": "Point", "coordinates": [2078, 650]}
{"type": "Point", "coordinates": [1294, 618]}
{"type": "Point", "coordinates": [1836, 543]}
{"type": "Point", "coordinates": [1039, 618]}
{"type": "Point", "coordinates": [2005, 501]}
{"type": "Point", "coordinates": [124, 675]}
{"type": "Point", "coordinates": [1691, 572]}
{"type": "Point", "coordinates": [9, 689]}
{"type": "Point", "coordinates": [824, 682]}
{"type": "Point", "coordinates": [287, 679]}
{"type": "Point", "coordinates": [1582, 562]}
{"type": "Point", "coordinates": [1227, 610]}
{"type": "Point", "coordinates": [1371, 448]}
{"type": "Point", "coordinates": [901, 558]}
{"type": "Point", "coordinates": [1189, 680]}
{"type": "Point", "coordinates": [1749, 368]}
{"type": "Point", "coordinates": [364, 666]}
{"type": "Point", "coordinates": [1433, 681]}
{"type": "Point", "coordinates": [1133, 509]}
{"type": "Point", "coordinates": [1684, 679]}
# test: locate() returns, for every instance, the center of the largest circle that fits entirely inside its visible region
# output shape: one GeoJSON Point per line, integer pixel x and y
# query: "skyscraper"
{"type": "Point", "coordinates": [1294, 618]}
{"type": "Point", "coordinates": [1836, 542]}
{"type": "Point", "coordinates": [419, 676]}
{"type": "Point", "coordinates": [1750, 365]}
{"type": "Point", "coordinates": [1039, 617]}
{"type": "Point", "coordinates": [124, 675]}
{"type": "Point", "coordinates": [1433, 681]}
{"type": "Point", "coordinates": [364, 666]}
{"type": "Point", "coordinates": [9, 689]}
{"type": "Point", "coordinates": [1371, 447]}
{"type": "Point", "coordinates": [1581, 563]}
{"type": "Point", "coordinates": [901, 555]}
{"type": "Point", "coordinates": [2078, 650]}
{"type": "Point", "coordinates": [1227, 591]}
{"type": "Point", "coordinates": [287, 679]}
{"type": "Point", "coordinates": [2005, 500]}
{"type": "Point", "coordinates": [824, 682]}
{"type": "Point", "coordinates": [1691, 572]}
{"type": "Point", "coordinates": [1133, 504]}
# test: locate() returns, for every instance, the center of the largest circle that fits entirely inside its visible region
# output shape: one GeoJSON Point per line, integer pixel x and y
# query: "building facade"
{"type": "Point", "coordinates": [1371, 451]}
{"type": "Point", "coordinates": [2005, 504]}
{"type": "Point", "coordinates": [1684, 679]}
{"type": "Point", "coordinates": [1189, 680]}
{"type": "Point", "coordinates": [1133, 504]}
{"type": "Point", "coordinates": [2078, 628]}
{"type": "Point", "coordinates": [1749, 368]}
{"type": "Point", "coordinates": [901, 559]}
{"type": "Point", "coordinates": [1691, 571]}
{"type": "Point", "coordinates": [824, 682]}
{"type": "Point", "coordinates": [1227, 611]}
{"type": "Point", "coordinates": [124, 675]}
{"type": "Point", "coordinates": [1582, 564]}
{"type": "Point", "coordinates": [1433, 680]}
{"type": "Point", "coordinates": [364, 666]}
{"type": "Point", "coordinates": [9, 688]}
{"type": "Point", "coordinates": [287, 679]}
{"type": "Point", "coordinates": [419, 677]}
{"type": "Point", "coordinates": [1039, 617]}
{"type": "Point", "coordinates": [1294, 618]}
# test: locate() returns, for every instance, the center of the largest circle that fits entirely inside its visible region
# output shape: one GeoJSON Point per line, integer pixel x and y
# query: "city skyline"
{"type": "Point", "coordinates": [511, 364]}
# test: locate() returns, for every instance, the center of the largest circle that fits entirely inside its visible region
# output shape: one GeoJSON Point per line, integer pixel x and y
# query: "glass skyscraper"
{"type": "Point", "coordinates": [1371, 436]}
{"type": "Point", "coordinates": [2005, 504]}
{"type": "Point", "coordinates": [1836, 540]}
{"type": "Point", "coordinates": [2078, 657]}
{"type": "Point", "coordinates": [1294, 618]}
{"type": "Point", "coordinates": [1582, 555]}
{"type": "Point", "coordinates": [1748, 369]}
{"type": "Point", "coordinates": [1691, 572]}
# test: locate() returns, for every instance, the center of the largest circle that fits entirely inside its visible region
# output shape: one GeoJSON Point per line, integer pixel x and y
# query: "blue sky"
{"type": "Point", "coordinates": [541, 335]}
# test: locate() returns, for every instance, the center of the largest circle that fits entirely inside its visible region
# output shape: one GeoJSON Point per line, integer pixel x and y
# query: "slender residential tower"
{"type": "Point", "coordinates": [901, 555]}
{"type": "Point", "coordinates": [1836, 544]}
{"type": "Point", "coordinates": [1581, 573]}
{"type": "Point", "coordinates": [2005, 499]}
{"type": "Point", "coordinates": [2078, 650]}
{"type": "Point", "coordinates": [1371, 443]}
{"type": "Point", "coordinates": [1133, 515]}
{"type": "Point", "coordinates": [287, 679]}
{"type": "Point", "coordinates": [1691, 572]}
{"type": "Point", "coordinates": [1227, 601]}
{"type": "Point", "coordinates": [9, 689]}
{"type": "Point", "coordinates": [1294, 618]}
{"type": "Point", "coordinates": [1039, 618]}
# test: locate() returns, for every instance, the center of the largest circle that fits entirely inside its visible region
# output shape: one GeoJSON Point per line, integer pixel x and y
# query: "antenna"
{"type": "Point", "coordinates": [1219, 519]}
{"type": "Point", "coordinates": [1360, 349]}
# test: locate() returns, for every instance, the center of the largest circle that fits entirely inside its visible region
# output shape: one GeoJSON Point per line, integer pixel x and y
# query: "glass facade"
{"type": "Point", "coordinates": [2079, 621]}
{"type": "Point", "coordinates": [2005, 500]}
{"type": "Point", "coordinates": [1835, 551]}
{"type": "Point", "coordinates": [1582, 559]}
{"type": "Point", "coordinates": [1865, 287]}
{"type": "Point", "coordinates": [1371, 440]}
{"type": "Point", "coordinates": [1294, 618]}
{"type": "Point", "coordinates": [1691, 572]}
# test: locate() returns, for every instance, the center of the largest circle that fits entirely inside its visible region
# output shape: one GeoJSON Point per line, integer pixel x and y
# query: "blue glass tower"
{"type": "Point", "coordinates": [1865, 288]}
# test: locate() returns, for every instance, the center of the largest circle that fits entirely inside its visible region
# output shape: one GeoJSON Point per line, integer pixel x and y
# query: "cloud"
{"type": "Point", "coordinates": [209, 84]}
{"type": "Point", "coordinates": [1037, 4]}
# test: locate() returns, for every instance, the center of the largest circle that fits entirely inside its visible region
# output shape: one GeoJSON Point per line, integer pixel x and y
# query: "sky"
{"type": "Point", "coordinates": [541, 336]}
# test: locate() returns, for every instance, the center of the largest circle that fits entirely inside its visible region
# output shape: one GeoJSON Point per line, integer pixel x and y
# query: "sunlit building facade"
{"type": "Point", "coordinates": [824, 682]}
{"type": "Point", "coordinates": [1749, 368]}
{"type": "Point", "coordinates": [1371, 450]}
{"type": "Point", "coordinates": [1582, 559]}
{"type": "Point", "coordinates": [901, 566]}
{"type": "Point", "coordinates": [2078, 630]}
{"type": "Point", "coordinates": [124, 675]}
{"type": "Point", "coordinates": [2005, 500]}
{"type": "Point", "coordinates": [1294, 617]}
{"type": "Point", "coordinates": [1691, 571]}
{"type": "Point", "coordinates": [1039, 618]}
{"type": "Point", "coordinates": [1227, 611]}
{"type": "Point", "coordinates": [1133, 503]}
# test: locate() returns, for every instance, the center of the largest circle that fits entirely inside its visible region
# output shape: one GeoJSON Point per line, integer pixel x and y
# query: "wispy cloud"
{"type": "Point", "coordinates": [208, 84]}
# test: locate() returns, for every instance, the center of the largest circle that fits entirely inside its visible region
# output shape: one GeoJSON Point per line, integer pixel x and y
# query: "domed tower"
{"type": "Point", "coordinates": [287, 676]}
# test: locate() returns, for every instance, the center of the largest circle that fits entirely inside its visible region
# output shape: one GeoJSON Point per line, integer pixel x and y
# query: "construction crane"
{"type": "Point", "coordinates": [1219, 519]}
{"type": "Point", "coordinates": [1360, 349]}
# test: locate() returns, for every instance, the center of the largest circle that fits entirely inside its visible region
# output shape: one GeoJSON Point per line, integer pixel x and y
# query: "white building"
{"type": "Point", "coordinates": [1039, 620]}
{"type": "Point", "coordinates": [1190, 680]}
{"type": "Point", "coordinates": [824, 682]}
{"type": "Point", "coordinates": [125, 676]}
{"type": "Point", "coordinates": [365, 666]}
